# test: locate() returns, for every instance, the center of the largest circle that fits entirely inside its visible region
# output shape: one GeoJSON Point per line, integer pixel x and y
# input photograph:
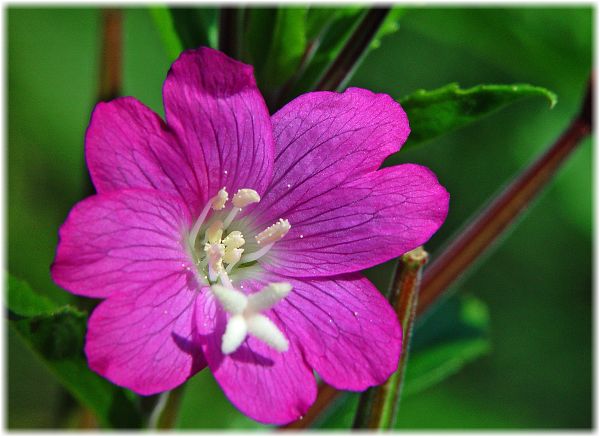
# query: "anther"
{"type": "Point", "coordinates": [220, 199]}
{"type": "Point", "coordinates": [234, 240]}
{"type": "Point", "coordinates": [273, 233]}
{"type": "Point", "coordinates": [232, 255]}
{"type": "Point", "coordinates": [245, 197]}
{"type": "Point", "coordinates": [215, 232]}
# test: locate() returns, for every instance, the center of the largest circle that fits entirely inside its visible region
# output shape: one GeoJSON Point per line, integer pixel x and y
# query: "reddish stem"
{"type": "Point", "coordinates": [495, 219]}
{"type": "Point", "coordinates": [353, 51]}
{"type": "Point", "coordinates": [459, 256]}
{"type": "Point", "coordinates": [111, 60]}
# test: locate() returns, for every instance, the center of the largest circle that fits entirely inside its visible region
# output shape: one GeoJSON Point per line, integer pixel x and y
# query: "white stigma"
{"type": "Point", "coordinates": [273, 233]}
{"type": "Point", "coordinates": [246, 318]}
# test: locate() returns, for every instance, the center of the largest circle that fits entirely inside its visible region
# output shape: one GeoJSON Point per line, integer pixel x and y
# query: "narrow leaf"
{"type": "Point", "coordinates": [56, 335]}
{"type": "Point", "coordinates": [287, 46]}
{"type": "Point", "coordinates": [433, 113]}
{"type": "Point", "coordinates": [336, 27]}
{"type": "Point", "coordinates": [196, 26]}
{"type": "Point", "coordinates": [163, 20]}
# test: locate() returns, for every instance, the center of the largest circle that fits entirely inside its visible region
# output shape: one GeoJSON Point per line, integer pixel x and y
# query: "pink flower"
{"type": "Point", "coordinates": [229, 238]}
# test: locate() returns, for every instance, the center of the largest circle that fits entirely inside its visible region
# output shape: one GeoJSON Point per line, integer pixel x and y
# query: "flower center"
{"type": "Point", "coordinates": [223, 256]}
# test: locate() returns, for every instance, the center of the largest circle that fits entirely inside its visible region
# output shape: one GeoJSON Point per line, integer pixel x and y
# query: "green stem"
{"type": "Point", "coordinates": [378, 405]}
{"type": "Point", "coordinates": [166, 409]}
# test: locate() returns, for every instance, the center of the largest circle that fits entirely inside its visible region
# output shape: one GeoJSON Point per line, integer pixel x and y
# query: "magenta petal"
{"type": "Point", "coordinates": [121, 241]}
{"type": "Point", "coordinates": [145, 340]}
{"type": "Point", "coordinates": [348, 331]}
{"type": "Point", "coordinates": [129, 146]}
{"type": "Point", "coordinates": [268, 386]}
{"type": "Point", "coordinates": [214, 106]}
{"type": "Point", "coordinates": [363, 223]}
{"type": "Point", "coordinates": [325, 139]}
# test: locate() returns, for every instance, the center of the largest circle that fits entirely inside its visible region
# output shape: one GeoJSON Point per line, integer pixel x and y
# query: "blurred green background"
{"type": "Point", "coordinates": [537, 284]}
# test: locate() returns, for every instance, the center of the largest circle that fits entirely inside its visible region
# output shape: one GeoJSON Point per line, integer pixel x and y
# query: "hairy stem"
{"type": "Point", "coordinates": [378, 405]}
{"type": "Point", "coordinates": [350, 56]}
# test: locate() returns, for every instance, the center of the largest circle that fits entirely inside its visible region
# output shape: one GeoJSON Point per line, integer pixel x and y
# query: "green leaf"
{"type": "Point", "coordinates": [56, 335]}
{"type": "Point", "coordinates": [196, 27]}
{"type": "Point", "coordinates": [163, 21]}
{"type": "Point", "coordinates": [24, 302]}
{"type": "Point", "coordinates": [389, 25]}
{"type": "Point", "coordinates": [288, 44]}
{"type": "Point", "coordinates": [327, 42]}
{"type": "Point", "coordinates": [433, 113]}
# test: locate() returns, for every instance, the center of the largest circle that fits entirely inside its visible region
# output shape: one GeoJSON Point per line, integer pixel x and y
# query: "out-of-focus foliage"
{"type": "Point", "coordinates": [56, 333]}
{"type": "Point", "coordinates": [539, 300]}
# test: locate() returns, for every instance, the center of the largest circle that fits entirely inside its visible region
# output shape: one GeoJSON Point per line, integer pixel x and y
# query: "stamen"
{"type": "Point", "coordinates": [215, 232]}
{"type": "Point", "coordinates": [241, 199]}
{"type": "Point", "coordinates": [214, 254]}
{"type": "Point", "coordinates": [256, 255]}
{"type": "Point", "coordinates": [245, 197]}
{"type": "Point", "coordinates": [214, 202]}
{"type": "Point", "coordinates": [220, 199]}
{"type": "Point", "coordinates": [231, 216]}
{"type": "Point", "coordinates": [273, 233]}
{"type": "Point", "coordinates": [232, 256]}
{"type": "Point", "coordinates": [234, 240]}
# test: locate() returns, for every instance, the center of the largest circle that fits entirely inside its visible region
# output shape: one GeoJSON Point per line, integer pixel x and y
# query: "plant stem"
{"type": "Point", "coordinates": [495, 219]}
{"type": "Point", "coordinates": [229, 31]}
{"type": "Point", "coordinates": [110, 68]}
{"type": "Point", "coordinates": [165, 411]}
{"type": "Point", "coordinates": [111, 55]}
{"type": "Point", "coordinates": [378, 405]}
{"type": "Point", "coordinates": [514, 198]}
{"type": "Point", "coordinates": [325, 397]}
{"type": "Point", "coordinates": [350, 56]}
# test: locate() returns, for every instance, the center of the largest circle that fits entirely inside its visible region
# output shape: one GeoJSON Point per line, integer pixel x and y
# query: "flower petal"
{"type": "Point", "coordinates": [214, 106]}
{"type": "Point", "coordinates": [121, 241]}
{"type": "Point", "coordinates": [145, 340]}
{"type": "Point", "coordinates": [347, 330]}
{"type": "Point", "coordinates": [325, 139]}
{"type": "Point", "coordinates": [363, 223]}
{"type": "Point", "coordinates": [129, 146]}
{"type": "Point", "coordinates": [266, 385]}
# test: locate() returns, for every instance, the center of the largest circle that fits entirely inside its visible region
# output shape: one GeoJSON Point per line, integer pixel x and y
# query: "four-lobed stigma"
{"type": "Point", "coordinates": [219, 251]}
